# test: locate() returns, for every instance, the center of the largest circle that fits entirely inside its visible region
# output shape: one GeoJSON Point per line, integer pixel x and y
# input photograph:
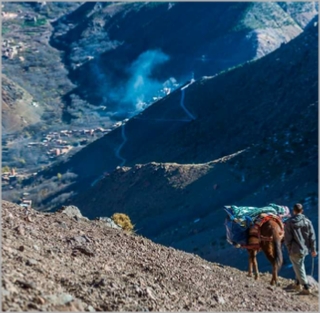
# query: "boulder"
{"type": "Point", "coordinates": [109, 222]}
{"type": "Point", "coordinates": [72, 211]}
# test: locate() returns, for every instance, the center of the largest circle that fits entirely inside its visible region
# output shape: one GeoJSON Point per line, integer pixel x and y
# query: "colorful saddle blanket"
{"type": "Point", "coordinates": [240, 219]}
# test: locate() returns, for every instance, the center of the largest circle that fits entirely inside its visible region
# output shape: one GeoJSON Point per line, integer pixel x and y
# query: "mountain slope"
{"type": "Point", "coordinates": [18, 107]}
{"type": "Point", "coordinates": [106, 45]}
{"type": "Point", "coordinates": [52, 262]}
{"type": "Point", "coordinates": [181, 205]}
{"type": "Point", "coordinates": [267, 108]}
{"type": "Point", "coordinates": [30, 62]}
{"type": "Point", "coordinates": [233, 110]}
{"type": "Point", "coordinates": [123, 56]}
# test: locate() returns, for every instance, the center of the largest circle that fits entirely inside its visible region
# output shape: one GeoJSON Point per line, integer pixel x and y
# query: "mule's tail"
{"type": "Point", "coordinates": [277, 249]}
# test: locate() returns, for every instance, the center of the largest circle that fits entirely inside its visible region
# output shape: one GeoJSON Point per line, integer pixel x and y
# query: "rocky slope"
{"type": "Point", "coordinates": [55, 262]}
{"type": "Point", "coordinates": [31, 63]}
{"type": "Point", "coordinates": [18, 107]}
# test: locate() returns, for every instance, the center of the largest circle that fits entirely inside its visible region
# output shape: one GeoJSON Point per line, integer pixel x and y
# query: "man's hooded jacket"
{"type": "Point", "coordinates": [299, 236]}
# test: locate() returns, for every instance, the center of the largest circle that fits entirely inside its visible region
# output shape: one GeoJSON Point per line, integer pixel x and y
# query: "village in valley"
{"type": "Point", "coordinates": [60, 143]}
{"type": "Point", "coordinates": [54, 145]}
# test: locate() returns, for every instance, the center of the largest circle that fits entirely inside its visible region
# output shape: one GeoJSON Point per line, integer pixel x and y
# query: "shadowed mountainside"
{"type": "Point", "coordinates": [102, 43]}
{"type": "Point", "coordinates": [233, 111]}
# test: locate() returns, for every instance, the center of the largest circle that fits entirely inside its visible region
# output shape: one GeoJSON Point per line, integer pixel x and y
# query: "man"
{"type": "Point", "coordinates": [299, 239]}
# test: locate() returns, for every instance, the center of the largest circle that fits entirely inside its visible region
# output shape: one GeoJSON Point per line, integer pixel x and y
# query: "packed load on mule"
{"type": "Point", "coordinates": [243, 223]}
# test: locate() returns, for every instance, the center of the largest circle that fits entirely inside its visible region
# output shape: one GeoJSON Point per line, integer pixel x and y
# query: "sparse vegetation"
{"type": "Point", "coordinates": [22, 161]}
{"type": "Point", "coordinates": [5, 30]}
{"type": "Point", "coordinates": [37, 22]}
{"type": "Point", "coordinates": [123, 220]}
{"type": "Point", "coordinates": [6, 169]}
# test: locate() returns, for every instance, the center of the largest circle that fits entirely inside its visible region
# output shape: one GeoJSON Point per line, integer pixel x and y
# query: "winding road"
{"type": "Point", "coordinates": [124, 140]}
{"type": "Point", "coordinates": [191, 116]}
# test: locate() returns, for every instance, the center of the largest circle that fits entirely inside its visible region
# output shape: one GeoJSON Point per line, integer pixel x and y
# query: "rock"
{"type": "Point", "coordinates": [62, 224]}
{"type": "Point", "coordinates": [221, 300]}
{"type": "Point", "coordinates": [69, 307]}
{"type": "Point", "coordinates": [5, 292]}
{"type": "Point", "coordinates": [36, 248]}
{"type": "Point", "coordinates": [78, 305]}
{"type": "Point", "coordinates": [25, 284]}
{"type": "Point", "coordinates": [109, 222]}
{"type": "Point", "coordinates": [28, 219]}
{"type": "Point", "coordinates": [83, 250]}
{"type": "Point", "coordinates": [9, 287]}
{"type": "Point", "coordinates": [32, 306]}
{"type": "Point", "coordinates": [87, 238]}
{"type": "Point", "coordinates": [314, 284]}
{"type": "Point", "coordinates": [101, 282]}
{"type": "Point", "coordinates": [150, 293]}
{"type": "Point", "coordinates": [20, 230]}
{"type": "Point", "coordinates": [79, 239]}
{"type": "Point", "coordinates": [206, 267]}
{"type": "Point", "coordinates": [90, 308]}
{"type": "Point", "coordinates": [31, 262]}
{"type": "Point", "coordinates": [39, 300]}
{"type": "Point", "coordinates": [59, 299]}
{"type": "Point", "coordinates": [72, 211]}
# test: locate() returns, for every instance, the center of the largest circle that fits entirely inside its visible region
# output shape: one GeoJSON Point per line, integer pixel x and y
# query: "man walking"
{"type": "Point", "coordinates": [299, 239]}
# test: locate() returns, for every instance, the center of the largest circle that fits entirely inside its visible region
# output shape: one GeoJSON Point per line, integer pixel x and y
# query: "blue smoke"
{"type": "Point", "coordinates": [138, 91]}
{"type": "Point", "coordinates": [141, 86]}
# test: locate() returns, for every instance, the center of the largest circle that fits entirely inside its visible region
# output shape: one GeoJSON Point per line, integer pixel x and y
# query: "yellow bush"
{"type": "Point", "coordinates": [122, 220]}
{"type": "Point", "coordinates": [6, 169]}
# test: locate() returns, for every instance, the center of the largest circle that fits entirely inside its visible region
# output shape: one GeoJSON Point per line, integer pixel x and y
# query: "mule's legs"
{"type": "Point", "coordinates": [269, 251]}
{"type": "Point", "coordinates": [274, 279]}
{"type": "Point", "coordinates": [250, 258]}
{"type": "Point", "coordinates": [255, 265]}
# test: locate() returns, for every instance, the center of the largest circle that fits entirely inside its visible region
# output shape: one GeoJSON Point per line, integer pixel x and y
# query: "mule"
{"type": "Point", "coordinates": [270, 241]}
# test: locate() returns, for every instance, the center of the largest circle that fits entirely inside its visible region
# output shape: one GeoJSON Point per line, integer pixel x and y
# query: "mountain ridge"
{"type": "Point", "coordinates": [204, 47]}
{"type": "Point", "coordinates": [169, 108]}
